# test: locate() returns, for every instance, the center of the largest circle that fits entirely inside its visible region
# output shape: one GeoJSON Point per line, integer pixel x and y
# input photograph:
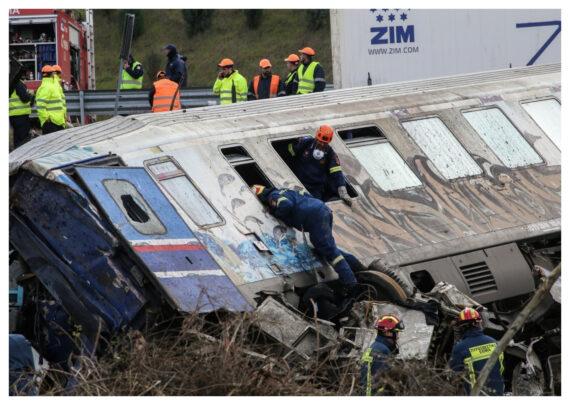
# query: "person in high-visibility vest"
{"type": "Point", "coordinates": [471, 351]}
{"type": "Point", "coordinates": [311, 74]}
{"type": "Point", "coordinates": [49, 103]}
{"type": "Point", "coordinates": [162, 94]}
{"type": "Point", "coordinates": [374, 360]}
{"type": "Point", "coordinates": [292, 80]}
{"type": "Point", "coordinates": [265, 85]}
{"type": "Point", "coordinates": [59, 80]}
{"type": "Point", "coordinates": [132, 77]}
{"type": "Point", "coordinates": [230, 85]}
{"type": "Point", "coordinates": [20, 108]}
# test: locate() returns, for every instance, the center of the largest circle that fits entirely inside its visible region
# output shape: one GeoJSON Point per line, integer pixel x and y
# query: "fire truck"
{"type": "Point", "coordinates": [40, 37]}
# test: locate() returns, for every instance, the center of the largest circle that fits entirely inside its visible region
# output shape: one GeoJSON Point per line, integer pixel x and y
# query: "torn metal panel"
{"type": "Point", "coordinates": [179, 263]}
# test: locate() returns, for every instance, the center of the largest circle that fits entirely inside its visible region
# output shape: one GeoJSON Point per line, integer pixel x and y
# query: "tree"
{"type": "Point", "coordinates": [152, 64]}
{"type": "Point", "coordinates": [253, 18]}
{"type": "Point", "coordinates": [197, 21]}
{"type": "Point", "coordinates": [317, 19]}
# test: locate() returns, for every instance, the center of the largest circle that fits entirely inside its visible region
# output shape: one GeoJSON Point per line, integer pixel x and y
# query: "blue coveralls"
{"type": "Point", "coordinates": [374, 361]}
{"type": "Point", "coordinates": [316, 174]}
{"type": "Point", "coordinates": [307, 214]}
{"type": "Point", "coordinates": [21, 366]}
{"type": "Point", "coordinates": [471, 353]}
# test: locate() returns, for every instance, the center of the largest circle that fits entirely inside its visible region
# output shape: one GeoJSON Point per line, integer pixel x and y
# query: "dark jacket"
{"type": "Point", "coordinates": [316, 174]}
{"type": "Point", "coordinates": [263, 88]}
{"type": "Point", "coordinates": [297, 209]}
{"type": "Point", "coordinates": [374, 360]}
{"type": "Point", "coordinates": [470, 354]}
{"type": "Point", "coordinates": [175, 67]}
{"type": "Point", "coordinates": [291, 83]}
{"type": "Point", "coordinates": [137, 71]}
{"type": "Point", "coordinates": [22, 92]}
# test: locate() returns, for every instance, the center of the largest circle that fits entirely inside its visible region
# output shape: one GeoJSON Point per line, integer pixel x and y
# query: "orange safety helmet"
{"type": "Point", "coordinates": [324, 134]}
{"type": "Point", "coordinates": [469, 315]}
{"type": "Point", "coordinates": [308, 51]}
{"type": "Point", "coordinates": [292, 58]}
{"type": "Point", "coordinates": [264, 63]}
{"type": "Point", "coordinates": [159, 75]}
{"type": "Point", "coordinates": [56, 68]}
{"type": "Point", "coordinates": [389, 323]}
{"type": "Point", "coordinates": [47, 69]}
{"type": "Point", "coordinates": [226, 62]}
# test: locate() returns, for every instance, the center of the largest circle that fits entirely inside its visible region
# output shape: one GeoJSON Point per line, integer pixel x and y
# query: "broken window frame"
{"type": "Point", "coordinates": [271, 141]}
{"type": "Point", "coordinates": [182, 173]}
{"type": "Point", "coordinates": [150, 213]}
{"type": "Point", "coordinates": [522, 103]}
{"type": "Point", "coordinates": [242, 162]}
{"type": "Point", "coordinates": [453, 179]}
{"type": "Point", "coordinates": [370, 141]}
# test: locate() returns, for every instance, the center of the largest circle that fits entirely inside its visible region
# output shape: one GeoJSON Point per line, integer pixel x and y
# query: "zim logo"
{"type": "Point", "coordinates": [392, 35]}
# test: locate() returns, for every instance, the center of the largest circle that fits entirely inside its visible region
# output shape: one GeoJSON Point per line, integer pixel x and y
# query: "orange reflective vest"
{"type": "Point", "coordinates": [273, 87]}
{"type": "Point", "coordinates": [164, 90]}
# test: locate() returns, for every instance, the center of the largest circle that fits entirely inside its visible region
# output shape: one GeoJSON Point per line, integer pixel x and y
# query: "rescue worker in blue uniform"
{"type": "Point", "coordinates": [374, 359]}
{"type": "Point", "coordinates": [472, 350]}
{"type": "Point", "coordinates": [307, 214]}
{"type": "Point", "coordinates": [316, 164]}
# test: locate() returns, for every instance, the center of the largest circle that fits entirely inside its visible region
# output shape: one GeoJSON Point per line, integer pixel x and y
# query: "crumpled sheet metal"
{"type": "Point", "coordinates": [452, 296]}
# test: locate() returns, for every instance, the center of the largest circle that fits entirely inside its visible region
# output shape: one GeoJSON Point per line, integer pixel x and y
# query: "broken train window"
{"type": "Point", "coordinates": [282, 148]}
{"type": "Point", "coordinates": [182, 189]}
{"type": "Point", "coordinates": [245, 166]}
{"type": "Point", "coordinates": [375, 152]}
{"type": "Point", "coordinates": [134, 207]}
{"type": "Point", "coordinates": [502, 137]}
{"type": "Point", "coordinates": [442, 148]}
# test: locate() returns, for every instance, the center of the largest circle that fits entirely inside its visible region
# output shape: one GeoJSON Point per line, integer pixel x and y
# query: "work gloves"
{"type": "Point", "coordinates": [343, 194]}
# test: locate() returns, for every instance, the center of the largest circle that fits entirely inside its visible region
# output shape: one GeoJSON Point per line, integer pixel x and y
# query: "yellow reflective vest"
{"type": "Point", "coordinates": [231, 89]}
{"type": "Point", "coordinates": [16, 107]}
{"type": "Point", "coordinates": [50, 102]}
{"type": "Point", "coordinates": [130, 83]}
{"type": "Point", "coordinates": [306, 78]}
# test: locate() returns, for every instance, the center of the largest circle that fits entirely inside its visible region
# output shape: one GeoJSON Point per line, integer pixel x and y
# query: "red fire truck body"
{"type": "Point", "coordinates": [41, 37]}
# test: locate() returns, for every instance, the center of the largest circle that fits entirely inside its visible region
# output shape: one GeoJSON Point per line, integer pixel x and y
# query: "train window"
{"type": "Point", "coordinates": [502, 137]}
{"type": "Point", "coordinates": [546, 114]}
{"type": "Point", "coordinates": [181, 188]}
{"type": "Point", "coordinates": [245, 166]}
{"type": "Point", "coordinates": [282, 148]}
{"type": "Point", "coordinates": [134, 207]}
{"type": "Point", "coordinates": [442, 148]}
{"type": "Point", "coordinates": [379, 158]}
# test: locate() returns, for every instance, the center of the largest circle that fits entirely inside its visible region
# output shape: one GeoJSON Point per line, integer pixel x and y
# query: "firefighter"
{"type": "Point", "coordinates": [307, 214]}
{"type": "Point", "coordinates": [59, 80]}
{"type": "Point", "coordinates": [292, 80]}
{"type": "Point", "coordinates": [162, 93]}
{"type": "Point", "coordinates": [49, 103]}
{"type": "Point", "coordinates": [265, 85]}
{"type": "Point", "coordinates": [317, 166]}
{"type": "Point", "coordinates": [175, 69]}
{"type": "Point", "coordinates": [471, 351]}
{"type": "Point", "coordinates": [374, 359]}
{"type": "Point", "coordinates": [310, 73]}
{"type": "Point", "coordinates": [132, 78]}
{"type": "Point", "coordinates": [230, 85]}
{"type": "Point", "coordinates": [20, 108]}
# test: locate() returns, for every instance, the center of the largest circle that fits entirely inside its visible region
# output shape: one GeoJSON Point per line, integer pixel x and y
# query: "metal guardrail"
{"type": "Point", "coordinates": [92, 102]}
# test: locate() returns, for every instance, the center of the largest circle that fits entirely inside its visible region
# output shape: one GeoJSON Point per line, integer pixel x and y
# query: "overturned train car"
{"type": "Point", "coordinates": [453, 180]}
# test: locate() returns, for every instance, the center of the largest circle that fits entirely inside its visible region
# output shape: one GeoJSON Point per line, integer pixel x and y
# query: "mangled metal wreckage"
{"type": "Point", "coordinates": [118, 220]}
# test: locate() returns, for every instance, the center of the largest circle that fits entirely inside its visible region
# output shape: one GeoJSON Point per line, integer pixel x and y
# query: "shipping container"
{"type": "Point", "coordinates": [374, 46]}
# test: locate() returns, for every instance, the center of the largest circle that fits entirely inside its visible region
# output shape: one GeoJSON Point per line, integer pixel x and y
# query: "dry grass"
{"type": "Point", "coordinates": [227, 356]}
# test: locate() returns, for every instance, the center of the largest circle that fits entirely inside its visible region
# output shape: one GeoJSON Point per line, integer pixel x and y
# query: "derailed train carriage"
{"type": "Point", "coordinates": [453, 180]}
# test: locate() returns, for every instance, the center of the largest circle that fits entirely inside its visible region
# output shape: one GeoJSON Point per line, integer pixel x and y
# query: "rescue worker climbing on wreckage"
{"type": "Point", "coordinates": [471, 351]}
{"type": "Point", "coordinates": [374, 359]}
{"type": "Point", "coordinates": [316, 164]}
{"type": "Point", "coordinates": [307, 214]}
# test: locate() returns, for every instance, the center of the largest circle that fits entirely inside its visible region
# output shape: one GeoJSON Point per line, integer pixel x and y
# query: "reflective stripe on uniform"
{"type": "Point", "coordinates": [280, 199]}
{"type": "Point", "coordinates": [291, 150]}
{"type": "Point", "coordinates": [337, 260]}
{"type": "Point", "coordinates": [367, 359]}
{"type": "Point", "coordinates": [479, 353]}
{"type": "Point", "coordinates": [335, 169]}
